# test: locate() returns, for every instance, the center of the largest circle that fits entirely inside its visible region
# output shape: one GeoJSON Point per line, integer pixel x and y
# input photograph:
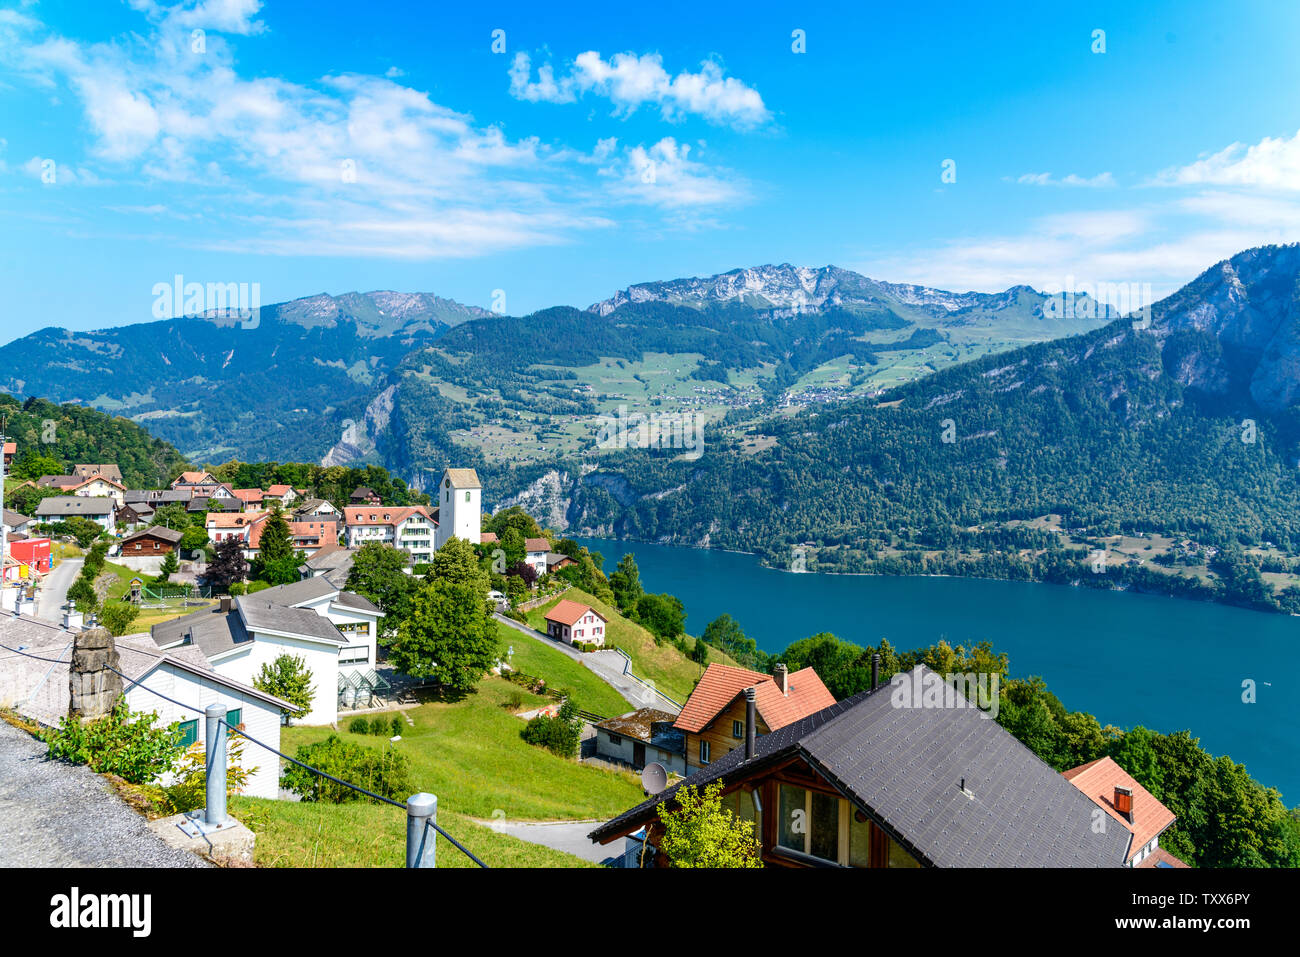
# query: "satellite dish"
{"type": "Point", "coordinates": [654, 778]}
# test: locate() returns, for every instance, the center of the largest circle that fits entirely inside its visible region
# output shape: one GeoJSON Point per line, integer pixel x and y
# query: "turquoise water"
{"type": "Point", "coordinates": [1129, 659]}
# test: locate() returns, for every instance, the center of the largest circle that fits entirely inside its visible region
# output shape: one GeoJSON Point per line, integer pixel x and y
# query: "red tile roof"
{"type": "Point", "coordinates": [249, 494]}
{"type": "Point", "coordinates": [536, 545]}
{"type": "Point", "coordinates": [1098, 779]}
{"type": "Point", "coordinates": [278, 490]}
{"type": "Point", "coordinates": [568, 612]}
{"type": "Point", "coordinates": [720, 684]}
{"type": "Point", "coordinates": [383, 514]}
{"type": "Point", "coordinates": [1161, 856]}
{"type": "Point", "coordinates": [487, 538]}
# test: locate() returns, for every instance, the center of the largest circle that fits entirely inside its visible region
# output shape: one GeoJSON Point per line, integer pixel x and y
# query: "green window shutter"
{"type": "Point", "coordinates": [235, 716]}
{"type": "Point", "coordinates": [189, 733]}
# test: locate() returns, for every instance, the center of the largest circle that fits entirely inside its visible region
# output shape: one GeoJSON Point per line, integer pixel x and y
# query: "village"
{"type": "Point", "coordinates": [580, 697]}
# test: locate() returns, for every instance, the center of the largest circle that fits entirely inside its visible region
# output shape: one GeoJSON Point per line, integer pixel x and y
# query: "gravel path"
{"type": "Point", "coordinates": [54, 590]}
{"type": "Point", "coordinates": [57, 815]}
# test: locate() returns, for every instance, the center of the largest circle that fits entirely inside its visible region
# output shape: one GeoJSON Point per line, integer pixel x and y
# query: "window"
{"type": "Point", "coordinates": [810, 823]}
{"type": "Point", "coordinates": [467, 496]}
{"type": "Point", "coordinates": [614, 739]}
{"type": "Point", "coordinates": [737, 729]}
{"type": "Point", "coordinates": [704, 752]}
{"type": "Point", "coordinates": [354, 654]}
{"type": "Point", "coordinates": [235, 717]}
{"type": "Point", "coordinates": [189, 733]}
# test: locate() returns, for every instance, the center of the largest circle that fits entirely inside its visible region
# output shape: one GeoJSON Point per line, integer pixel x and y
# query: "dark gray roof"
{"type": "Point", "coordinates": [308, 589]}
{"type": "Point", "coordinates": [904, 767]}
{"type": "Point", "coordinates": [157, 531]}
{"type": "Point", "coordinates": [260, 614]}
{"type": "Point", "coordinates": [75, 505]}
{"type": "Point", "coordinates": [13, 519]}
{"type": "Point", "coordinates": [211, 630]}
{"type": "Point", "coordinates": [360, 602]}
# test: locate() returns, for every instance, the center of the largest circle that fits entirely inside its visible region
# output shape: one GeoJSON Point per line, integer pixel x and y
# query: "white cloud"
{"type": "Point", "coordinates": [1071, 179]}
{"type": "Point", "coordinates": [630, 81]}
{"type": "Point", "coordinates": [664, 175]}
{"type": "Point", "coordinates": [1272, 163]}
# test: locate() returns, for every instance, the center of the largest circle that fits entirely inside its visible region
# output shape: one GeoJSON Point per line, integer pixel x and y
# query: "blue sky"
{"type": "Point", "coordinates": [326, 147]}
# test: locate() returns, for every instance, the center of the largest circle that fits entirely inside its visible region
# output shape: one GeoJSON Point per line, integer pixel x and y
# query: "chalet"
{"type": "Point", "coordinates": [1135, 808]}
{"type": "Point", "coordinates": [135, 513]}
{"type": "Point", "coordinates": [557, 560]}
{"type": "Point", "coordinates": [11, 449]}
{"type": "Point", "coordinates": [98, 486]}
{"type": "Point", "coordinates": [363, 495]}
{"type": "Point", "coordinates": [332, 562]}
{"type": "Point", "coordinates": [572, 622]}
{"type": "Point", "coordinates": [888, 778]}
{"type": "Point", "coordinates": [410, 528]}
{"type": "Point", "coordinates": [284, 494]}
{"type": "Point", "coordinates": [535, 552]}
{"type": "Point", "coordinates": [197, 483]}
{"type": "Point", "coordinates": [151, 542]}
{"type": "Point", "coordinates": [308, 619]}
{"type": "Point", "coordinates": [40, 690]}
{"type": "Point", "coordinates": [15, 524]}
{"type": "Point", "coordinates": [250, 499]}
{"type": "Point", "coordinates": [309, 508]}
{"type": "Point", "coordinates": [641, 737]}
{"type": "Point", "coordinates": [110, 472]}
{"type": "Point", "coordinates": [715, 720]}
{"type": "Point", "coordinates": [60, 508]}
{"type": "Point", "coordinates": [224, 525]}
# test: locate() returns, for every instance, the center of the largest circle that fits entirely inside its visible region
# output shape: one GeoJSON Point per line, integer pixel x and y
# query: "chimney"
{"type": "Point", "coordinates": [1124, 802]}
{"type": "Point", "coordinates": [875, 670]}
{"type": "Point", "coordinates": [782, 675]}
{"type": "Point", "coordinates": [225, 603]}
{"type": "Point", "coordinates": [93, 688]}
{"type": "Point", "coordinates": [751, 716]}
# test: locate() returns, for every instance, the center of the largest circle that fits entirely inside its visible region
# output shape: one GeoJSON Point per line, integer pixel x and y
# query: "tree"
{"type": "Point", "coordinates": [383, 771]}
{"type": "Point", "coordinates": [724, 633]}
{"type": "Point", "coordinates": [168, 567]}
{"type": "Point", "coordinates": [274, 550]}
{"type": "Point", "coordinates": [449, 635]}
{"type": "Point", "coordinates": [172, 515]}
{"type": "Point", "coordinates": [663, 615]}
{"type": "Point", "coordinates": [194, 538]}
{"type": "Point", "coordinates": [524, 572]}
{"type": "Point", "coordinates": [456, 561]}
{"type": "Point", "coordinates": [626, 583]}
{"type": "Point", "coordinates": [228, 565]}
{"type": "Point", "coordinates": [378, 573]}
{"type": "Point", "coordinates": [118, 616]}
{"type": "Point", "coordinates": [702, 833]}
{"type": "Point", "coordinates": [288, 678]}
{"type": "Point", "coordinates": [280, 571]}
{"type": "Point", "coordinates": [560, 735]}
{"type": "Point", "coordinates": [32, 465]}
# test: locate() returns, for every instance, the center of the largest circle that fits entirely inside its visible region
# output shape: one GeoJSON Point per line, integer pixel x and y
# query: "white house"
{"type": "Point", "coordinates": [460, 505]}
{"type": "Point", "coordinates": [98, 486]}
{"type": "Point", "coordinates": [39, 690]}
{"type": "Point", "coordinates": [535, 552]}
{"type": "Point", "coordinates": [15, 524]}
{"type": "Point", "coordinates": [410, 527]}
{"type": "Point", "coordinates": [333, 632]}
{"type": "Point", "coordinates": [575, 623]}
{"type": "Point", "coordinates": [60, 508]}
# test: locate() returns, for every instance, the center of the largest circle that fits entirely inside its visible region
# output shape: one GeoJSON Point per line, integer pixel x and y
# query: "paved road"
{"type": "Point", "coordinates": [57, 815]}
{"type": "Point", "coordinates": [567, 836]}
{"type": "Point", "coordinates": [54, 590]}
{"type": "Point", "coordinates": [607, 665]}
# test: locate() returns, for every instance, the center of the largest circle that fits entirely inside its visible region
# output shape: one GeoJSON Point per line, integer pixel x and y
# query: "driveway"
{"type": "Point", "coordinates": [567, 836]}
{"type": "Point", "coordinates": [59, 815]}
{"type": "Point", "coordinates": [607, 665]}
{"type": "Point", "coordinates": [54, 589]}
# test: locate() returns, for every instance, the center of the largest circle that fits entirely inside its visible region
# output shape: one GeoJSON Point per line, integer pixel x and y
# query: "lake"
{"type": "Point", "coordinates": [1129, 659]}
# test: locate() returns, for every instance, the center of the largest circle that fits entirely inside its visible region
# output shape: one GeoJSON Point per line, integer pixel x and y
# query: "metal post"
{"type": "Point", "coordinates": [421, 840]}
{"type": "Point", "coordinates": [215, 746]}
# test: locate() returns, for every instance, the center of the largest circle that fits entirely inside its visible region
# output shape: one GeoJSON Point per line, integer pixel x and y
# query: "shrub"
{"type": "Point", "coordinates": [396, 726]}
{"type": "Point", "coordinates": [190, 788]}
{"type": "Point", "coordinates": [560, 735]}
{"type": "Point", "coordinates": [385, 771]}
{"type": "Point", "coordinates": [118, 616]}
{"type": "Point", "coordinates": [516, 701]}
{"type": "Point", "coordinates": [124, 743]}
{"type": "Point", "coordinates": [359, 725]}
{"type": "Point", "coordinates": [379, 726]}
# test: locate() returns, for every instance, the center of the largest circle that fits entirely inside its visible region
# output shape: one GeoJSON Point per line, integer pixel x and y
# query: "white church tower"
{"type": "Point", "coordinates": [459, 506]}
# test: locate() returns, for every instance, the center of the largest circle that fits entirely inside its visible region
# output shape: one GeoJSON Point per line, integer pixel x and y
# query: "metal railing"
{"type": "Point", "coordinates": [421, 809]}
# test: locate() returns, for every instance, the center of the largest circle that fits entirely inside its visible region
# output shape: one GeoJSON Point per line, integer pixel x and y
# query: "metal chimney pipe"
{"type": "Point", "coordinates": [875, 670]}
{"type": "Point", "coordinates": [751, 715]}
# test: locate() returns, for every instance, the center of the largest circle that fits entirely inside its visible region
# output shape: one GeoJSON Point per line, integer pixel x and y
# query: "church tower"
{"type": "Point", "coordinates": [459, 506]}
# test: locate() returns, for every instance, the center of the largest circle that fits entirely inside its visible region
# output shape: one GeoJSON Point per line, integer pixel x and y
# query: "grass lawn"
{"type": "Point", "coordinates": [561, 672]}
{"type": "Point", "coordinates": [671, 671]}
{"type": "Point", "coordinates": [148, 617]}
{"type": "Point", "coordinates": [365, 834]}
{"type": "Point", "coordinates": [469, 753]}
